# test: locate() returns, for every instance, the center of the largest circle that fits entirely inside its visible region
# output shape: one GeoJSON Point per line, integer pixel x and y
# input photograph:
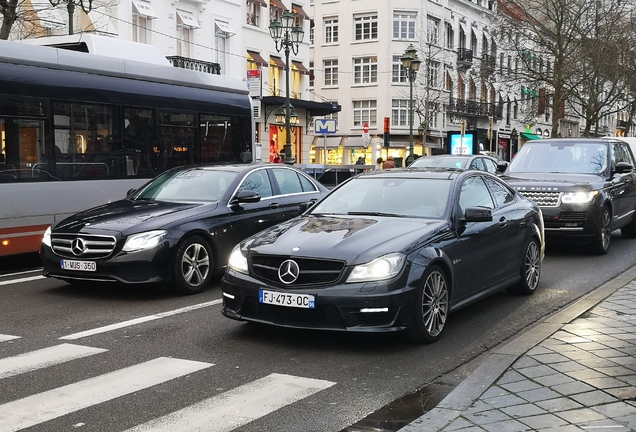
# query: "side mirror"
{"type": "Point", "coordinates": [245, 196]}
{"type": "Point", "coordinates": [130, 192]}
{"type": "Point", "coordinates": [623, 167]}
{"type": "Point", "coordinates": [502, 166]}
{"type": "Point", "coordinates": [478, 214]}
{"type": "Point", "coordinates": [303, 207]}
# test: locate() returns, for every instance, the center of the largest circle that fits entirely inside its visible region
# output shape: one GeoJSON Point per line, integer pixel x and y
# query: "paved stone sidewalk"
{"type": "Point", "coordinates": [578, 375]}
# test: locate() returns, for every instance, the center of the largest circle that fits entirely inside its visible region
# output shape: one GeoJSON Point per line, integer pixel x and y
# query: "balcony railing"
{"type": "Point", "coordinates": [464, 57]}
{"type": "Point", "coordinates": [193, 64]}
{"type": "Point", "coordinates": [464, 108]}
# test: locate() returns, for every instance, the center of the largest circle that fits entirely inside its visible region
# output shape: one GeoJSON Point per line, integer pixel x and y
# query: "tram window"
{"type": "Point", "coordinates": [22, 148]}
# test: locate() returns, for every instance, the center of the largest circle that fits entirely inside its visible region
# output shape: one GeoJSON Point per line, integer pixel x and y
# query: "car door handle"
{"type": "Point", "coordinates": [274, 205]}
{"type": "Point", "coordinates": [503, 222]}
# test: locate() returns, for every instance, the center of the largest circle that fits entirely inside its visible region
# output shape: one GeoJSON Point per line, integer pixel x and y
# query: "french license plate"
{"type": "Point", "coordinates": [307, 301]}
{"type": "Point", "coordinates": [79, 265]}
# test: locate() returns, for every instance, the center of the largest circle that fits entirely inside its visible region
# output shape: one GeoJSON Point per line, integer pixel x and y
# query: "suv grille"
{"type": "Point", "coordinates": [543, 199]}
{"type": "Point", "coordinates": [82, 245]}
{"type": "Point", "coordinates": [312, 271]}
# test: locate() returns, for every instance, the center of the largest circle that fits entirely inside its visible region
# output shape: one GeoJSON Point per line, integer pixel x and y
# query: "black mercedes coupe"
{"type": "Point", "coordinates": [390, 250]}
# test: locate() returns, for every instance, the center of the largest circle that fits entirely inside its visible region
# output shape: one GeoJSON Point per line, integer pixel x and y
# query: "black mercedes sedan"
{"type": "Point", "coordinates": [179, 228]}
{"type": "Point", "coordinates": [393, 250]}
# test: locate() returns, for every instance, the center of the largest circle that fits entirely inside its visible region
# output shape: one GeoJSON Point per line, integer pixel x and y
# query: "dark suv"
{"type": "Point", "coordinates": [586, 188]}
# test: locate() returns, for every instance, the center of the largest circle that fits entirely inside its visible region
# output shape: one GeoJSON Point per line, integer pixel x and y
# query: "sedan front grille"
{"type": "Point", "coordinates": [83, 245]}
{"type": "Point", "coordinates": [312, 271]}
{"type": "Point", "coordinates": [543, 199]}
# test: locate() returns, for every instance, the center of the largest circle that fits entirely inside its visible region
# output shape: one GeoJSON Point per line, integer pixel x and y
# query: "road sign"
{"type": "Point", "coordinates": [365, 128]}
{"type": "Point", "coordinates": [325, 126]}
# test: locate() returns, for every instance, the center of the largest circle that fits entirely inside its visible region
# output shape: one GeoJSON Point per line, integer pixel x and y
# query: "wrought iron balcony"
{"type": "Point", "coordinates": [464, 58]}
{"type": "Point", "coordinates": [463, 108]}
{"type": "Point", "coordinates": [193, 64]}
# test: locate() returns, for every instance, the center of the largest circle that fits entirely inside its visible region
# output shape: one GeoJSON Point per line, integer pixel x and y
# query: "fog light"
{"type": "Point", "coordinates": [366, 310]}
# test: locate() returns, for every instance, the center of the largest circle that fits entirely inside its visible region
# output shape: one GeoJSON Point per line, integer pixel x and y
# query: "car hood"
{"type": "Point", "coordinates": [128, 216]}
{"type": "Point", "coordinates": [552, 182]}
{"type": "Point", "coordinates": [354, 239]}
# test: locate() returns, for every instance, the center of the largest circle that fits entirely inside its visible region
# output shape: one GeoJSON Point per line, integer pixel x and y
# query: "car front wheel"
{"type": "Point", "coordinates": [193, 266]}
{"type": "Point", "coordinates": [431, 307]}
{"type": "Point", "coordinates": [601, 242]}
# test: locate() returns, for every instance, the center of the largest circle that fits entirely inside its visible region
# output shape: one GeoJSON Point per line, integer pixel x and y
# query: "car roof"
{"type": "Point", "coordinates": [570, 141]}
{"type": "Point", "coordinates": [417, 172]}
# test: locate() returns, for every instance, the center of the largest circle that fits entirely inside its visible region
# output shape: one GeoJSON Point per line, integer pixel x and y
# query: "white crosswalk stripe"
{"type": "Point", "coordinates": [4, 338]}
{"type": "Point", "coordinates": [239, 406]}
{"type": "Point", "coordinates": [51, 404]}
{"type": "Point", "coordinates": [45, 357]}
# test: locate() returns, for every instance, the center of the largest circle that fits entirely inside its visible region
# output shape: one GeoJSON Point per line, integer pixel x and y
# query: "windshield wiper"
{"type": "Point", "coordinates": [361, 213]}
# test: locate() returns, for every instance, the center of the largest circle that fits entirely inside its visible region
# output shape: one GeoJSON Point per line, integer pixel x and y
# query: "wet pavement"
{"type": "Point", "coordinates": [574, 371]}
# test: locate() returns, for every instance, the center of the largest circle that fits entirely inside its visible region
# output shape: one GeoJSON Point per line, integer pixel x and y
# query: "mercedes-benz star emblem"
{"type": "Point", "coordinates": [288, 272]}
{"type": "Point", "coordinates": [78, 246]}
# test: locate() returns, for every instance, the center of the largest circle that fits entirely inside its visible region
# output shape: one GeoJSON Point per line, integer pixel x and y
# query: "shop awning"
{"type": "Point", "coordinates": [278, 62]}
{"type": "Point", "coordinates": [301, 68]}
{"type": "Point", "coordinates": [315, 109]}
{"type": "Point", "coordinates": [298, 10]}
{"type": "Point", "coordinates": [257, 58]}
{"type": "Point", "coordinates": [224, 28]}
{"type": "Point", "coordinates": [187, 19]}
{"type": "Point", "coordinates": [277, 4]}
{"type": "Point", "coordinates": [144, 8]}
{"type": "Point", "coordinates": [329, 141]}
{"type": "Point", "coordinates": [530, 136]}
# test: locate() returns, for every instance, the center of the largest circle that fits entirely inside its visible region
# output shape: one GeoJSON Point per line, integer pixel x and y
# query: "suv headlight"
{"type": "Point", "coordinates": [580, 197]}
{"type": "Point", "coordinates": [384, 267]}
{"type": "Point", "coordinates": [238, 261]}
{"type": "Point", "coordinates": [146, 240]}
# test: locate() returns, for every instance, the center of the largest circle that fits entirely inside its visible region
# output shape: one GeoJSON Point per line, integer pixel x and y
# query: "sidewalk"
{"type": "Point", "coordinates": [575, 371]}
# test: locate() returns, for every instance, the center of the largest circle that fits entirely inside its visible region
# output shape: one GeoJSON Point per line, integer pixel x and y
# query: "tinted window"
{"type": "Point", "coordinates": [288, 181]}
{"type": "Point", "coordinates": [258, 181]}
{"type": "Point", "coordinates": [500, 192]}
{"type": "Point", "coordinates": [474, 193]}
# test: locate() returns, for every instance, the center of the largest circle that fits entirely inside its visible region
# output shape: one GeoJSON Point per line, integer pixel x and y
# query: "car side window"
{"type": "Point", "coordinates": [500, 193]}
{"type": "Point", "coordinates": [490, 166]}
{"type": "Point", "coordinates": [288, 181]}
{"type": "Point", "coordinates": [477, 164]}
{"type": "Point", "coordinates": [474, 193]}
{"type": "Point", "coordinates": [258, 181]}
{"type": "Point", "coordinates": [307, 185]}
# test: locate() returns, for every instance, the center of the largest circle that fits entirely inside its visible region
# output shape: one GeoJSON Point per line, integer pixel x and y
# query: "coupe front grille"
{"type": "Point", "coordinates": [82, 245]}
{"type": "Point", "coordinates": [312, 271]}
{"type": "Point", "coordinates": [543, 199]}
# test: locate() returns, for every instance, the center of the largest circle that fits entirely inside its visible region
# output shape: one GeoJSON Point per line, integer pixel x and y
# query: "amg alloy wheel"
{"type": "Point", "coordinates": [530, 269]}
{"type": "Point", "coordinates": [431, 308]}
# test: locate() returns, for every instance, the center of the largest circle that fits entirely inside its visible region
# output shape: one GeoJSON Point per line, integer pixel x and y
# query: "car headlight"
{"type": "Point", "coordinates": [384, 267]}
{"type": "Point", "coordinates": [47, 237]}
{"type": "Point", "coordinates": [145, 240]}
{"type": "Point", "coordinates": [580, 197]}
{"type": "Point", "coordinates": [238, 261]}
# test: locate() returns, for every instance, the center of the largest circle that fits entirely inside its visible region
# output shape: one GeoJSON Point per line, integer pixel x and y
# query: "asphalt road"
{"type": "Point", "coordinates": [338, 378]}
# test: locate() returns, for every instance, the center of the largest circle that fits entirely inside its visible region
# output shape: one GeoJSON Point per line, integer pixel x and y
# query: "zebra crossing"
{"type": "Point", "coordinates": [220, 413]}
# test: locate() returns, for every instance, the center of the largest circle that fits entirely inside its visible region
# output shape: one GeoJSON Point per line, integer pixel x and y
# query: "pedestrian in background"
{"type": "Point", "coordinates": [388, 163]}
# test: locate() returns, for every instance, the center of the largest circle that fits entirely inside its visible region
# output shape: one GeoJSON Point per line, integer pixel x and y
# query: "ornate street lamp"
{"type": "Point", "coordinates": [70, 6]}
{"type": "Point", "coordinates": [289, 38]}
{"type": "Point", "coordinates": [411, 63]}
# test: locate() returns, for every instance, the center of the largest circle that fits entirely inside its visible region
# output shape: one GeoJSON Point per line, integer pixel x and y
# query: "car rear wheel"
{"type": "Point", "coordinates": [530, 269]}
{"type": "Point", "coordinates": [601, 242]}
{"type": "Point", "coordinates": [431, 307]}
{"type": "Point", "coordinates": [193, 266]}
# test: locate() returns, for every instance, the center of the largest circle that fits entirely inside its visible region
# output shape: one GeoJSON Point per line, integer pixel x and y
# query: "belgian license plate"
{"type": "Point", "coordinates": [79, 265]}
{"type": "Point", "coordinates": [307, 301]}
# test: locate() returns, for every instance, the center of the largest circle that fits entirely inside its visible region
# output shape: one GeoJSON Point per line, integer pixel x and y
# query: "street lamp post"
{"type": "Point", "coordinates": [514, 135]}
{"type": "Point", "coordinates": [411, 62]}
{"type": "Point", "coordinates": [70, 7]}
{"type": "Point", "coordinates": [288, 37]}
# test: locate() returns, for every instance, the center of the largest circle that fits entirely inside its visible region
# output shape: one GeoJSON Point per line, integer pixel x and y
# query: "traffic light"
{"type": "Point", "coordinates": [387, 132]}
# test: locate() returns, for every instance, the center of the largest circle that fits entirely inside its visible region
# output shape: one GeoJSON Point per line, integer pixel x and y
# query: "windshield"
{"type": "Point", "coordinates": [382, 196]}
{"type": "Point", "coordinates": [579, 158]}
{"type": "Point", "coordinates": [185, 186]}
{"type": "Point", "coordinates": [441, 162]}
